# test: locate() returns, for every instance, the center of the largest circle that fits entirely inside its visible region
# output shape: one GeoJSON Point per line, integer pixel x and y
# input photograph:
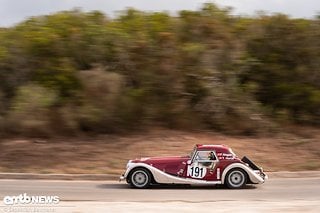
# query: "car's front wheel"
{"type": "Point", "coordinates": [140, 178]}
{"type": "Point", "coordinates": [236, 178]}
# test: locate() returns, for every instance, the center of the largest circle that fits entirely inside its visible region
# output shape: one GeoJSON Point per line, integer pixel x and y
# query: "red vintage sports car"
{"type": "Point", "coordinates": [207, 164]}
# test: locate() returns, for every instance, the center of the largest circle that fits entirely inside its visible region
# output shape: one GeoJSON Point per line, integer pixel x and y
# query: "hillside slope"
{"type": "Point", "coordinates": [109, 153]}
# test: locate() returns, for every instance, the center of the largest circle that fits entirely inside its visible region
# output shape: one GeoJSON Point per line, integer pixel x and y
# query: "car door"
{"type": "Point", "coordinates": [203, 166]}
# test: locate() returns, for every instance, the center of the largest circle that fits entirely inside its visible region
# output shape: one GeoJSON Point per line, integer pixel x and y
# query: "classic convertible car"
{"type": "Point", "coordinates": [207, 164]}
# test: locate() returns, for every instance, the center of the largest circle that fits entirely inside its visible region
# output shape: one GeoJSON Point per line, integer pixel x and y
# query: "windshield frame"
{"type": "Point", "coordinates": [193, 152]}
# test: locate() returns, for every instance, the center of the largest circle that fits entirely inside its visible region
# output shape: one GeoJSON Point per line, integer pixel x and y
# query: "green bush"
{"type": "Point", "coordinates": [99, 98]}
{"type": "Point", "coordinates": [200, 69]}
{"type": "Point", "coordinates": [30, 111]}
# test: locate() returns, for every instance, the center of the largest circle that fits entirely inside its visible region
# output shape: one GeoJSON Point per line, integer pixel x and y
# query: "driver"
{"type": "Point", "coordinates": [211, 156]}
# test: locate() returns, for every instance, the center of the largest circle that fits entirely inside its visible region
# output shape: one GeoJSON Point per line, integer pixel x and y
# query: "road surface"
{"type": "Point", "coordinates": [276, 195]}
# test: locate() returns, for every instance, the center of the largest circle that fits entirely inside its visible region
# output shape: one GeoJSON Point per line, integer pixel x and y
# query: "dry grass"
{"type": "Point", "coordinates": [109, 153]}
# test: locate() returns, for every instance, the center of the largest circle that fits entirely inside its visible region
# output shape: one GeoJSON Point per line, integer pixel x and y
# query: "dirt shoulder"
{"type": "Point", "coordinates": [108, 154]}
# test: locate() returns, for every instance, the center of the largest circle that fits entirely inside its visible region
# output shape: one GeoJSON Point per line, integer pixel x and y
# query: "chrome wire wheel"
{"type": "Point", "coordinates": [236, 179]}
{"type": "Point", "coordinates": [140, 178]}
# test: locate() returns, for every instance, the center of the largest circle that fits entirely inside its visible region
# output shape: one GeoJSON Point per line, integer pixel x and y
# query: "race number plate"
{"type": "Point", "coordinates": [196, 171]}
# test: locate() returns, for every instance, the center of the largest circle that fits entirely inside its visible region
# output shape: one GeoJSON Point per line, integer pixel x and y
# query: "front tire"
{"type": "Point", "coordinates": [140, 178]}
{"type": "Point", "coordinates": [236, 179]}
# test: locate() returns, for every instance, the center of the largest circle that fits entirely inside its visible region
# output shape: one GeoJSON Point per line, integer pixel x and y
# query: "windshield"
{"type": "Point", "coordinates": [231, 151]}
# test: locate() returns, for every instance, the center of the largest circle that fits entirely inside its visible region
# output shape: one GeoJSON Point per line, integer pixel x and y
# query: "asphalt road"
{"type": "Point", "coordinates": [277, 194]}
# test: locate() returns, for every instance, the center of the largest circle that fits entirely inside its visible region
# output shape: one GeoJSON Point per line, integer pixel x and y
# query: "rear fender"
{"type": "Point", "coordinates": [252, 175]}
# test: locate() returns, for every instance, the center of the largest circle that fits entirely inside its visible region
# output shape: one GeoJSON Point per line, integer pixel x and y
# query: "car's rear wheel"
{"type": "Point", "coordinates": [236, 178]}
{"type": "Point", "coordinates": [140, 178]}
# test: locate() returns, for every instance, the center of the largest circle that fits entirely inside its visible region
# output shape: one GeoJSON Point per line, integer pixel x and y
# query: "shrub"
{"type": "Point", "coordinates": [99, 98]}
{"type": "Point", "coordinates": [30, 109]}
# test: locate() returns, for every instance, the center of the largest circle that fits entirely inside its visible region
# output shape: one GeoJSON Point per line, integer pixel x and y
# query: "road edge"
{"type": "Point", "coordinates": [31, 176]}
{"type": "Point", "coordinates": [38, 176]}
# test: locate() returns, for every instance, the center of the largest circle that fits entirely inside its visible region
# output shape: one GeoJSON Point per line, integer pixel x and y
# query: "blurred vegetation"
{"type": "Point", "coordinates": [75, 71]}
